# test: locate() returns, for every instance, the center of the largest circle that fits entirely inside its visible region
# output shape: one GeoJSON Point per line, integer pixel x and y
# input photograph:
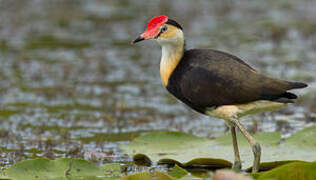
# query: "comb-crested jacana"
{"type": "Point", "coordinates": [216, 83]}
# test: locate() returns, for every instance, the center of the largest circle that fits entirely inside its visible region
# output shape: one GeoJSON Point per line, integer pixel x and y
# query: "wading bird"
{"type": "Point", "coordinates": [216, 83]}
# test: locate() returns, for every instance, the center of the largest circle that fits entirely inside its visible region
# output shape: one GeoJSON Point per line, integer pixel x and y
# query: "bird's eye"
{"type": "Point", "coordinates": [164, 28]}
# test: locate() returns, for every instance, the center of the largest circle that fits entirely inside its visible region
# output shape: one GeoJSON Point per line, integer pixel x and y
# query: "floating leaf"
{"type": "Point", "coordinates": [147, 176]}
{"type": "Point", "coordinates": [141, 160]}
{"type": "Point", "coordinates": [200, 173]}
{"type": "Point", "coordinates": [304, 138]}
{"type": "Point", "coordinates": [5, 178]}
{"type": "Point", "coordinates": [179, 148]}
{"type": "Point", "coordinates": [43, 168]}
{"type": "Point", "coordinates": [111, 169]}
{"type": "Point", "coordinates": [170, 145]}
{"type": "Point", "coordinates": [162, 139]}
{"type": "Point", "coordinates": [163, 176]}
{"type": "Point", "coordinates": [178, 172]}
{"type": "Point", "coordinates": [293, 171]}
{"type": "Point", "coordinates": [138, 176]}
{"type": "Point", "coordinates": [208, 163]}
{"type": "Point", "coordinates": [199, 165]}
{"type": "Point", "coordinates": [169, 162]}
{"type": "Point", "coordinates": [265, 166]}
{"type": "Point", "coordinates": [266, 138]}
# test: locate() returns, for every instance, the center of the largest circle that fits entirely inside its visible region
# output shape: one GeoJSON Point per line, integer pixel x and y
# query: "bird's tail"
{"type": "Point", "coordinates": [297, 85]}
{"type": "Point", "coordinates": [287, 97]}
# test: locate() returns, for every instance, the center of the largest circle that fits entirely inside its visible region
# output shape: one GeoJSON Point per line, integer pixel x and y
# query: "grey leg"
{"type": "Point", "coordinates": [256, 149]}
{"type": "Point", "coordinates": [237, 163]}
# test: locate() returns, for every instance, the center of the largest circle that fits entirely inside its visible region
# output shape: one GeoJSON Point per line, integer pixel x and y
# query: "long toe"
{"type": "Point", "coordinates": [237, 165]}
{"type": "Point", "coordinates": [257, 154]}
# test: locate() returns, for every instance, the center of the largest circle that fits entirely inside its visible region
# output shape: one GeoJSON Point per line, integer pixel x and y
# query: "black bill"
{"type": "Point", "coordinates": [138, 39]}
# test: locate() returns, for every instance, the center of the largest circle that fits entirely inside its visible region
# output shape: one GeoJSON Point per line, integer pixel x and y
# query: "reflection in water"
{"type": "Point", "coordinates": [71, 81]}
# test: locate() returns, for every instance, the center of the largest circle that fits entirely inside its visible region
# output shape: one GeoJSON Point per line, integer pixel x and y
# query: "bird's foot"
{"type": "Point", "coordinates": [237, 165]}
{"type": "Point", "coordinates": [257, 153]}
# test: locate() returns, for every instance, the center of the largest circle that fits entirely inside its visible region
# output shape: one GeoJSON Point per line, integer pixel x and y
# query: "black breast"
{"type": "Point", "coordinates": [175, 81]}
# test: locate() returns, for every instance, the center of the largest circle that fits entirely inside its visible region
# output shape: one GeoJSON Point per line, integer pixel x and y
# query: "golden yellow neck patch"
{"type": "Point", "coordinates": [172, 44]}
{"type": "Point", "coordinates": [169, 61]}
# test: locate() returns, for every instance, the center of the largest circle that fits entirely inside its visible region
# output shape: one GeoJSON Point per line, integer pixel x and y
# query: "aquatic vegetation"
{"type": "Point", "coordinates": [174, 148]}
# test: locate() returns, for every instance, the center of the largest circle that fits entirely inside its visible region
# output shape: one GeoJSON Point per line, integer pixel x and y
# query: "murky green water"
{"type": "Point", "coordinates": [71, 83]}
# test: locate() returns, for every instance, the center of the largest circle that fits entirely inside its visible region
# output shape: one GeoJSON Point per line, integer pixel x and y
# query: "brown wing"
{"type": "Point", "coordinates": [215, 78]}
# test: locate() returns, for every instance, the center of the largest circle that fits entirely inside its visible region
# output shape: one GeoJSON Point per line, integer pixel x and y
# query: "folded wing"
{"type": "Point", "coordinates": [215, 78]}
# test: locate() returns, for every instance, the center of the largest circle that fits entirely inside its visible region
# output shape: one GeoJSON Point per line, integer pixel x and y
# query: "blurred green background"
{"type": "Point", "coordinates": [71, 82]}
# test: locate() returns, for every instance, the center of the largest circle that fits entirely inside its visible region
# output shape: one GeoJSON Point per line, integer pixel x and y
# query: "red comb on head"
{"type": "Point", "coordinates": [156, 21]}
{"type": "Point", "coordinates": [153, 27]}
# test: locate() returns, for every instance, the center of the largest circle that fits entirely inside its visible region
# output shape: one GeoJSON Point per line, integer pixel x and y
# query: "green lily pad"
{"type": "Point", "coordinates": [5, 178]}
{"type": "Point", "coordinates": [295, 171]}
{"type": "Point", "coordinates": [178, 148]}
{"type": "Point", "coordinates": [208, 163]}
{"type": "Point", "coordinates": [178, 172]}
{"type": "Point", "coordinates": [62, 168]}
{"type": "Point", "coordinates": [163, 176]}
{"type": "Point", "coordinates": [266, 138]}
{"type": "Point", "coordinates": [147, 176]}
{"type": "Point", "coordinates": [141, 160]}
{"type": "Point", "coordinates": [169, 145]}
{"type": "Point", "coordinates": [169, 162]}
{"type": "Point", "coordinates": [304, 138]}
{"type": "Point", "coordinates": [137, 176]}
{"type": "Point", "coordinates": [111, 169]}
{"type": "Point", "coordinates": [265, 166]}
{"type": "Point", "coordinates": [162, 139]}
{"type": "Point", "coordinates": [198, 163]}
